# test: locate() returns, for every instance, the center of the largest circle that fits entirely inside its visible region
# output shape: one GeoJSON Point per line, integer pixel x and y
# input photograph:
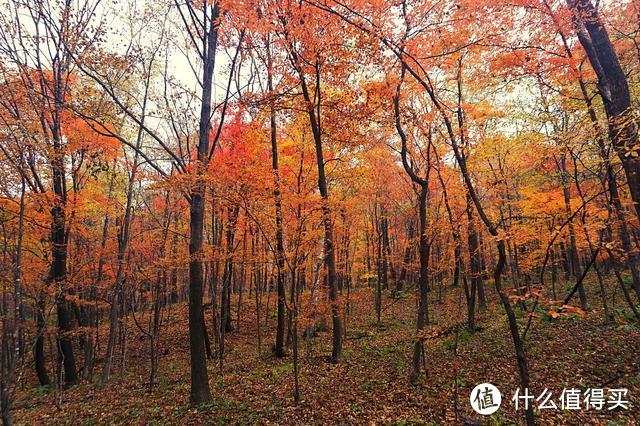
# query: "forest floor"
{"type": "Point", "coordinates": [371, 385]}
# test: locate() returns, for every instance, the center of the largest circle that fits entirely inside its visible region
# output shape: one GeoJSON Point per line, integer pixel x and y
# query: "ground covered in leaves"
{"type": "Point", "coordinates": [371, 385]}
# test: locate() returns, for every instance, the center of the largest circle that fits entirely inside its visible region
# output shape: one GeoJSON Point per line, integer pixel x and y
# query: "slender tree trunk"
{"type": "Point", "coordinates": [10, 329]}
{"type": "Point", "coordinates": [573, 248]}
{"type": "Point", "coordinates": [92, 312]}
{"type": "Point", "coordinates": [313, 110]}
{"type": "Point", "coordinates": [200, 393]}
{"type": "Point", "coordinates": [380, 272]}
{"type": "Point", "coordinates": [38, 351]}
{"type": "Point", "coordinates": [280, 255]}
{"type": "Point", "coordinates": [554, 274]}
{"type": "Point", "coordinates": [404, 271]}
{"type": "Point", "coordinates": [474, 263]}
{"type": "Point", "coordinates": [423, 284]}
{"type": "Point", "coordinates": [123, 246]}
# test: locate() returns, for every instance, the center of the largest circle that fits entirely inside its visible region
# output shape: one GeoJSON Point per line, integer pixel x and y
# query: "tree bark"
{"type": "Point", "coordinates": [423, 284]}
{"type": "Point", "coordinates": [200, 393]}
{"type": "Point", "coordinates": [280, 255]}
{"type": "Point", "coordinates": [313, 110]}
{"type": "Point", "coordinates": [573, 248]}
{"type": "Point", "coordinates": [613, 89]}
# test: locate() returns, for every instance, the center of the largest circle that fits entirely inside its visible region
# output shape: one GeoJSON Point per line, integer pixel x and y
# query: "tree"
{"type": "Point", "coordinates": [613, 89]}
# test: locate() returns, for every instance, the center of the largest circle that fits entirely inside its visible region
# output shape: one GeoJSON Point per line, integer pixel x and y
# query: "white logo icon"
{"type": "Point", "coordinates": [485, 399]}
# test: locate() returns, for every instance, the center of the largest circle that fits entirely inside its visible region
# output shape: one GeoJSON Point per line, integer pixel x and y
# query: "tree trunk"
{"type": "Point", "coordinates": [123, 245]}
{"type": "Point", "coordinates": [614, 90]}
{"type": "Point", "coordinates": [423, 283]}
{"type": "Point", "coordinates": [280, 255]}
{"type": "Point", "coordinates": [573, 248]}
{"type": "Point", "coordinates": [329, 252]}
{"type": "Point", "coordinates": [200, 393]}
{"type": "Point", "coordinates": [59, 273]}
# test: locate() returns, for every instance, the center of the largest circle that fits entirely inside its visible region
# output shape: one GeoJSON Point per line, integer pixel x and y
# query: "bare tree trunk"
{"type": "Point", "coordinates": [200, 393]}
{"type": "Point", "coordinates": [404, 271]}
{"type": "Point", "coordinates": [573, 255]}
{"type": "Point", "coordinates": [423, 284]}
{"type": "Point", "coordinates": [123, 245]}
{"type": "Point", "coordinates": [313, 110]}
{"type": "Point", "coordinates": [470, 293]}
{"type": "Point", "coordinates": [10, 329]}
{"type": "Point", "coordinates": [423, 250]}
{"type": "Point", "coordinates": [614, 90]}
{"type": "Point", "coordinates": [280, 255]}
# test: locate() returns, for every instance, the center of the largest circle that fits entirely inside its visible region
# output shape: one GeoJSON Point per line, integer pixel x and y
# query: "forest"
{"type": "Point", "coordinates": [320, 212]}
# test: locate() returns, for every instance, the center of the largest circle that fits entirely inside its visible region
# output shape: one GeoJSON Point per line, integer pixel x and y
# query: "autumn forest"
{"type": "Point", "coordinates": [320, 212]}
